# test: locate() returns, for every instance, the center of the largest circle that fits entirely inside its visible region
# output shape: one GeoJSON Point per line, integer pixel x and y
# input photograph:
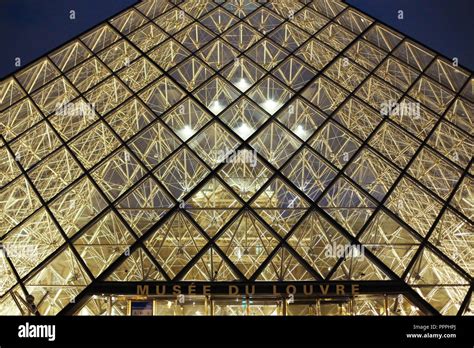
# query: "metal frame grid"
{"type": "Point", "coordinates": [153, 182]}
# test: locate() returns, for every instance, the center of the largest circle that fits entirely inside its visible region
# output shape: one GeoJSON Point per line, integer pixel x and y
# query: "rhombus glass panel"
{"type": "Point", "coordinates": [238, 141]}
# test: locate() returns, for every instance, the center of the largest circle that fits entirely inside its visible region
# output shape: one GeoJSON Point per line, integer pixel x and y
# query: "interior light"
{"type": "Point", "coordinates": [300, 131]}
{"type": "Point", "coordinates": [216, 107]}
{"type": "Point", "coordinates": [238, 253]}
{"type": "Point", "coordinates": [242, 84]}
{"type": "Point", "coordinates": [244, 131]}
{"type": "Point", "coordinates": [186, 132]}
{"type": "Point", "coordinates": [270, 106]}
{"type": "Point", "coordinates": [169, 304]}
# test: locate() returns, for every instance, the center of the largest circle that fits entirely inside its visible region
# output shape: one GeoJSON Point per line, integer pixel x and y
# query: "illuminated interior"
{"type": "Point", "coordinates": [237, 142]}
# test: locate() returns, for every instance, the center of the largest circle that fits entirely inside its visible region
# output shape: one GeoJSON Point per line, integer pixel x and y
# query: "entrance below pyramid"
{"type": "Point", "coordinates": [201, 305]}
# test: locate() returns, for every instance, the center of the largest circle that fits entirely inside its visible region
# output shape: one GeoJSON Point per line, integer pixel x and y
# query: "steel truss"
{"type": "Point", "coordinates": [231, 143]}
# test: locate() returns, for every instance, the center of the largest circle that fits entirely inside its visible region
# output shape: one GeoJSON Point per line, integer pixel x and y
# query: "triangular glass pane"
{"type": "Point", "coordinates": [217, 54]}
{"type": "Point", "coordinates": [191, 73]}
{"type": "Point", "coordinates": [313, 238]}
{"type": "Point", "coordinates": [284, 267]}
{"type": "Point", "coordinates": [266, 54]}
{"type": "Point", "coordinates": [357, 266]}
{"type": "Point", "coordinates": [280, 206]}
{"type": "Point", "coordinates": [180, 173]}
{"type": "Point", "coordinates": [210, 267]}
{"type": "Point", "coordinates": [241, 36]}
{"type": "Point", "coordinates": [216, 95]}
{"type": "Point", "coordinates": [309, 172]}
{"type": "Point", "coordinates": [194, 37]}
{"type": "Point", "coordinates": [270, 95]}
{"type": "Point", "coordinates": [347, 205]}
{"type": "Point", "coordinates": [103, 242]}
{"type": "Point", "coordinates": [144, 206]}
{"type": "Point", "coordinates": [301, 118]}
{"type": "Point", "coordinates": [243, 73]}
{"type": "Point", "coordinates": [175, 243]}
{"type": "Point", "coordinates": [334, 144]}
{"type": "Point", "coordinates": [154, 144]}
{"type": "Point", "coordinates": [372, 173]}
{"type": "Point", "coordinates": [212, 206]}
{"type": "Point", "coordinates": [137, 267]}
{"type": "Point", "coordinates": [218, 21]}
{"type": "Point", "coordinates": [58, 283]}
{"type": "Point", "coordinates": [430, 269]}
{"type": "Point", "coordinates": [245, 173]}
{"type": "Point", "coordinates": [264, 20]}
{"type": "Point", "coordinates": [392, 243]}
{"type": "Point", "coordinates": [247, 243]}
{"type": "Point", "coordinates": [275, 144]}
{"type": "Point", "coordinates": [186, 119]}
{"type": "Point", "coordinates": [244, 118]}
{"type": "Point", "coordinates": [214, 144]}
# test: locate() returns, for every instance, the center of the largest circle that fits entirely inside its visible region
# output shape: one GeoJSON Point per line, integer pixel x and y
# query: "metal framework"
{"type": "Point", "coordinates": [232, 142]}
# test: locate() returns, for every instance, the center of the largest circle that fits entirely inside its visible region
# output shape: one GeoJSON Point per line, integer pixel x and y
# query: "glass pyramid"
{"type": "Point", "coordinates": [234, 141]}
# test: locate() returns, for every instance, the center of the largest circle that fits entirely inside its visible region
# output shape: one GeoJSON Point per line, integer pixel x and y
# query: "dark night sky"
{"type": "Point", "coordinates": [31, 28]}
{"type": "Point", "coordinates": [446, 26]}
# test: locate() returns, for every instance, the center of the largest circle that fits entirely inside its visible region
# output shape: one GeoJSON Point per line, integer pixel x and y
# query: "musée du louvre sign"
{"type": "Point", "coordinates": [304, 289]}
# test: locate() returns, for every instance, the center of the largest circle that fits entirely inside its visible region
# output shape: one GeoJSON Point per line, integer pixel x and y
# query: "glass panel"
{"type": "Point", "coordinates": [103, 242]}
{"type": "Point", "coordinates": [70, 55]}
{"type": "Point", "coordinates": [173, 20]}
{"type": "Point", "coordinates": [55, 173]}
{"type": "Point", "coordinates": [77, 206]}
{"type": "Point", "coordinates": [94, 144]}
{"type": "Point", "coordinates": [17, 201]}
{"type": "Point", "coordinates": [117, 174]}
{"type": "Point", "coordinates": [275, 144]}
{"type": "Point", "coordinates": [37, 75]}
{"type": "Point", "coordinates": [32, 242]}
{"type": "Point", "coordinates": [414, 205]}
{"type": "Point", "coordinates": [100, 38]}
{"type": "Point", "coordinates": [35, 144]}
{"type": "Point", "coordinates": [18, 118]}
{"type": "Point", "coordinates": [128, 21]}
{"type": "Point", "coordinates": [10, 92]}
